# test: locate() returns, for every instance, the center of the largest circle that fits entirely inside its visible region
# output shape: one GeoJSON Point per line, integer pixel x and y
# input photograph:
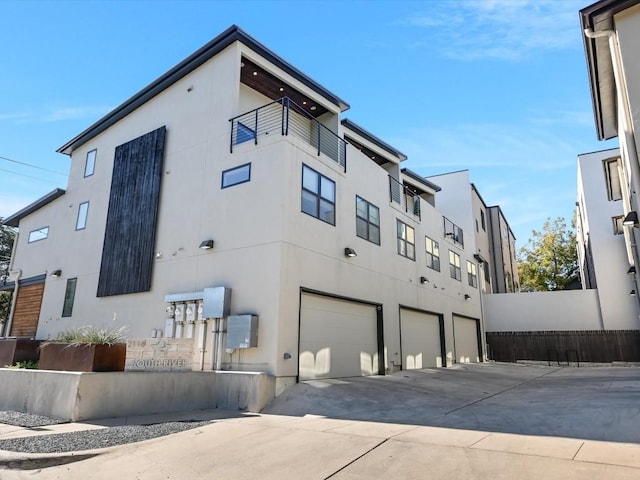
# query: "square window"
{"type": "Point", "coordinates": [237, 175]}
{"type": "Point", "coordinates": [90, 163]}
{"type": "Point", "coordinates": [38, 234]}
{"type": "Point", "coordinates": [318, 195]}
{"type": "Point", "coordinates": [81, 221]}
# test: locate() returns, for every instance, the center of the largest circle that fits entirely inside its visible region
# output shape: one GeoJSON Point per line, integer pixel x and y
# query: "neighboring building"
{"type": "Point", "coordinates": [492, 239]}
{"type": "Point", "coordinates": [603, 259]}
{"type": "Point", "coordinates": [611, 36]}
{"type": "Point", "coordinates": [234, 169]}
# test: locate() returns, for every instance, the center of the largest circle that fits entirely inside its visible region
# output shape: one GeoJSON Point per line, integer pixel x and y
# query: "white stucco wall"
{"type": "Point", "coordinates": [540, 311]}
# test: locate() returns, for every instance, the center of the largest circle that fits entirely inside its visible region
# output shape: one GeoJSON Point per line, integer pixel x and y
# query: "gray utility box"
{"type": "Point", "coordinates": [242, 331]}
{"type": "Point", "coordinates": [216, 302]}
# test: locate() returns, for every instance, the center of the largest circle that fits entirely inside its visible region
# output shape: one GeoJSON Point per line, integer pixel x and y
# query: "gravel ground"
{"type": "Point", "coordinates": [84, 440]}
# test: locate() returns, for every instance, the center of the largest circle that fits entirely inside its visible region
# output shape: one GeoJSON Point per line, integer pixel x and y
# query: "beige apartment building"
{"type": "Point", "coordinates": [230, 203]}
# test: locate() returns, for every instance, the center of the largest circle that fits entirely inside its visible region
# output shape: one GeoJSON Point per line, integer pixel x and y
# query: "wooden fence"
{"type": "Point", "coordinates": [601, 346]}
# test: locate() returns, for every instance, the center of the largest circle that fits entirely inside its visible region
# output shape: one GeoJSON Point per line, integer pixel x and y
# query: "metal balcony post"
{"type": "Point", "coordinates": [255, 132]}
{"type": "Point", "coordinates": [318, 123]}
{"type": "Point", "coordinates": [282, 117]}
{"type": "Point", "coordinates": [231, 139]}
{"type": "Point", "coordinates": [286, 130]}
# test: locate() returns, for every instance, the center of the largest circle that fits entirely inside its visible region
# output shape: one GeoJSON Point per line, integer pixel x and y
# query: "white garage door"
{"type": "Point", "coordinates": [466, 339]}
{"type": "Point", "coordinates": [420, 340]}
{"type": "Point", "coordinates": [338, 338]}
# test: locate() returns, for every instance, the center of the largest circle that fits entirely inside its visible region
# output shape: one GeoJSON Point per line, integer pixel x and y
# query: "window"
{"type": "Point", "coordinates": [38, 234]}
{"type": "Point", "coordinates": [454, 266]}
{"type": "Point", "coordinates": [69, 296]}
{"type": "Point", "coordinates": [237, 175]}
{"type": "Point", "coordinates": [618, 229]}
{"type": "Point", "coordinates": [81, 221]}
{"type": "Point", "coordinates": [90, 164]}
{"type": "Point", "coordinates": [477, 229]}
{"type": "Point", "coordinates": [472, 274]}
{"type": "Point", "coordinates": [433, 253]}
{"type": "Point", "coordinates": [612, 175]}
{"type": "Point", "coordinates": [406, 241]}
{"type": "Point", "coordinates": [244, 133]}
{"type": "Point", "coordinates": [487, 273]}
{"type": "Point", "coordinates": [482, 221]}
{"type": "Point", "coordinates": [367, 220]}
{"type": "Point", "coordinates": [318, 195]}
{"type": "Point", "coordinates": [453, 232]}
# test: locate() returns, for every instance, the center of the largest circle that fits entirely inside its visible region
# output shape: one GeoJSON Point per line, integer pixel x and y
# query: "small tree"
{"type": "Point", "coordinates": [549, 261]}
{"type": "Point", "coordinates": [7, 236]}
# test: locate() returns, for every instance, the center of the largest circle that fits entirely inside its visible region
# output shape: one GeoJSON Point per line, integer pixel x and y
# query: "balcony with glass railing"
{"type": "Point", "coordinates": [404, 197]}
{"type": "Point", "coordinates": [285, 117]}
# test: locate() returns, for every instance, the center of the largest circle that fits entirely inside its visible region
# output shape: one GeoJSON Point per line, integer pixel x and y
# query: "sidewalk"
{"type": "Point", "coordinates": [280, 447]}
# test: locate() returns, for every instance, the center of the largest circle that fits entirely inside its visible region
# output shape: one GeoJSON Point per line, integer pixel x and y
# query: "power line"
{"type": "Point", "coordinates": [32, 166]}
{"type": "Point", "coordinates": [24, 175]}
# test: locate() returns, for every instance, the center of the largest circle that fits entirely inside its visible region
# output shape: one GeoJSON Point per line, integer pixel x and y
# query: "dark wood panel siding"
{"type": "Point", "coordinates": [127, 253]}
{"type": "Point", "coordinates": [27, 311]}
{"type": "Point", "coordinates": [589, 345]}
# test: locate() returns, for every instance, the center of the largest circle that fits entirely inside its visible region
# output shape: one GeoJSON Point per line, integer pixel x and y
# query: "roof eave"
{"type": "Point", "coordinates": [373, 139]}
{"type": "Point", "coordinates": [14, 220]}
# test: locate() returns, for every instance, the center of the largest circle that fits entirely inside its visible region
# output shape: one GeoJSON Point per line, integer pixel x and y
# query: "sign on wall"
{"type": "Point", "coordinates": [159, 355]}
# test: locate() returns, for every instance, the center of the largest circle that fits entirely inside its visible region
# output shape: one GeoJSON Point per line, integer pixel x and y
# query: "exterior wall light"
{"type": "Point", "coordinates": [206, 245]}
{"type": "Point", "coordinates": [467, 296]}
{"type": "Point", "coordinates": [424, 280]}
{"type": "Point", "coordinates": [56, 273]}
{"type": "Point", "coordinates": [632, 293]}
{"type": "Point", "coordinates": [632, 270]}
{"type": "Point", "coordinates": [350, 252]}
{"type": "Point", "coordinates": [631, 220]}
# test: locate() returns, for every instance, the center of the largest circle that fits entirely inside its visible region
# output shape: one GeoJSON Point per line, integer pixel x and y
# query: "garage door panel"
{"type": "Point", "coordinates": [421, 343]}
{"type": "Point", "coordinates": [338, 338]}
{"type": "Point", "coordinates": [466, 340]}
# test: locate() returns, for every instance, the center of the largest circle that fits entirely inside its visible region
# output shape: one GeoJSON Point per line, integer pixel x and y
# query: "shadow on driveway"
{"type": "Point", "coordinates": [597, 403]}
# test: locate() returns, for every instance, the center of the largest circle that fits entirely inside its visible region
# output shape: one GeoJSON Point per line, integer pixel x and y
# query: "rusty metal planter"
{"type": "Point", "coordinates": [14, 350]}
{"type": "Point", "coordinates": [83, 358]}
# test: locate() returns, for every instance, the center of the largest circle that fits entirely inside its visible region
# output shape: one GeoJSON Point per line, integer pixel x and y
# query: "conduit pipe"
{"type": "Point", "coordinates": [214, 344]}
{"type": "Point", "coordinates": [628, 139]}
{"type": "Point", "coordinates": [221, 332]}
{"type": "Point", "coordinates": [18, 274]}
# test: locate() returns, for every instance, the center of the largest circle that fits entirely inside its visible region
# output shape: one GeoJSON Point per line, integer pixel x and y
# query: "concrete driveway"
{"type": "Point", "coordinates": [596, 403]}
{"type": "Point", "coordinates": [474, 422]}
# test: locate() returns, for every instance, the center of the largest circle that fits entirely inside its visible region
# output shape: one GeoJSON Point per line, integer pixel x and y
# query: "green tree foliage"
{"type": "Point", "coordinates": [7, 236]}
{"type": "Point", "coordinates": [549, 261]}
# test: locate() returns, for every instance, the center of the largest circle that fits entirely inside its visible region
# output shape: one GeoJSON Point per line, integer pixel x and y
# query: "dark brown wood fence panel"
{"type": "Point", "coordinates": [27, 312]}
{"type": "Point", "coordinates": [590, 345]}
{"type": "Point", "coordinates": [127, 253]}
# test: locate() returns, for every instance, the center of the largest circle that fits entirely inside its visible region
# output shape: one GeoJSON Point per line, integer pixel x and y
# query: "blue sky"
{"type": "Point", "coordinates": [496, 86]}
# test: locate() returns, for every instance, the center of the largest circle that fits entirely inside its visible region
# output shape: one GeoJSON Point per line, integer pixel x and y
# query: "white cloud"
{"type": "Point", "coordinates": [55, 114]}
{"type": "Point", "coordinates": [501, 29]}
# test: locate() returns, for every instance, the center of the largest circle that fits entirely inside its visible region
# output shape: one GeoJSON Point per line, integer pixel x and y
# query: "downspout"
{"type": "Point", "coordinates": [7, 327]}
{"type": "Point", "coordinates": [623, 99]}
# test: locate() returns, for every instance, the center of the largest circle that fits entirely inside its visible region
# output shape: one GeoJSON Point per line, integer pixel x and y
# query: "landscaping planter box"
{"type": "Point", "coordinates": [83, 358]}
{"type": "Point", "coordinates": [14, 350]}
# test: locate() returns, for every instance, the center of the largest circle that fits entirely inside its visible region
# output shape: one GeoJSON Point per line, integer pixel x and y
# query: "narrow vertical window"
{"type": "Point", "coordinates": [612, 176]}
{"type": "Point", "coordinates": [69, 296]}
{"type": "Point", "coordinates": [433, 253]}
{"type": "Point", "coordinates": [482, 221]}
{"type": "Point", "coordinates": [81, 221]}
{"type": "Point", "coordinates": [90, 164]}
{"type": "Point", "coordinates": [367, 221]}
{"type": "Point", "coordinates": [406, 241]}
{"type": "Point", "coordinates": [472, 274]}
{"type": "Point", "coordinates": [454, 266]}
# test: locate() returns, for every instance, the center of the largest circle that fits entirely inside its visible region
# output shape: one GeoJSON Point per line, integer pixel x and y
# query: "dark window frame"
{"type": "Point", "coordinates": [89, 172]}
{"type": "Point", "coordinates": [482, 221]}
{"type": "Point", "coordinates": [224, 185]}
{"type": "Point", "coordinates": [403, 242]}
{"type": "Point", "coordinates": [46, 235]}
{"type": "Point", "coordinates": [318, 196]}
{"type": "Point", "coordinates": [86, 216]}
{"type": "Point", "coordinates": [612, 181]}
{"type": "Point", "coordinates": [244, 134]}
{"type": "Point", "coordinates": [618, 227]}
{"type": "Point", "coordinates": [455, 270]}
{"type": "Point", "coordinates": [433, 259]}
{"type": "Point", "coordinates": [69, 297]}
{"type": "Point", "coordinates": [472, 274]}
{"type": "Point", "coordinates": [367, 221]}
{"type": "Point", "coordinates": [453, 232]}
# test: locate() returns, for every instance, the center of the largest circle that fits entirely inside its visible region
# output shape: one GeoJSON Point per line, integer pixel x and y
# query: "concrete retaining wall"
{"type": "Point", "coordinates": [75, 396]}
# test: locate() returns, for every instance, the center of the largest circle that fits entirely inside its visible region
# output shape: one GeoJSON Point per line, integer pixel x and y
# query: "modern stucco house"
{"type": "Point", "coordinates": [602, 253]}
{"type": "Point", "coordinates": [611, 34]}
{"type": "Point", "coordinates": [234, 180]}
{"type": "Point", "coordinates": [493, 240]}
